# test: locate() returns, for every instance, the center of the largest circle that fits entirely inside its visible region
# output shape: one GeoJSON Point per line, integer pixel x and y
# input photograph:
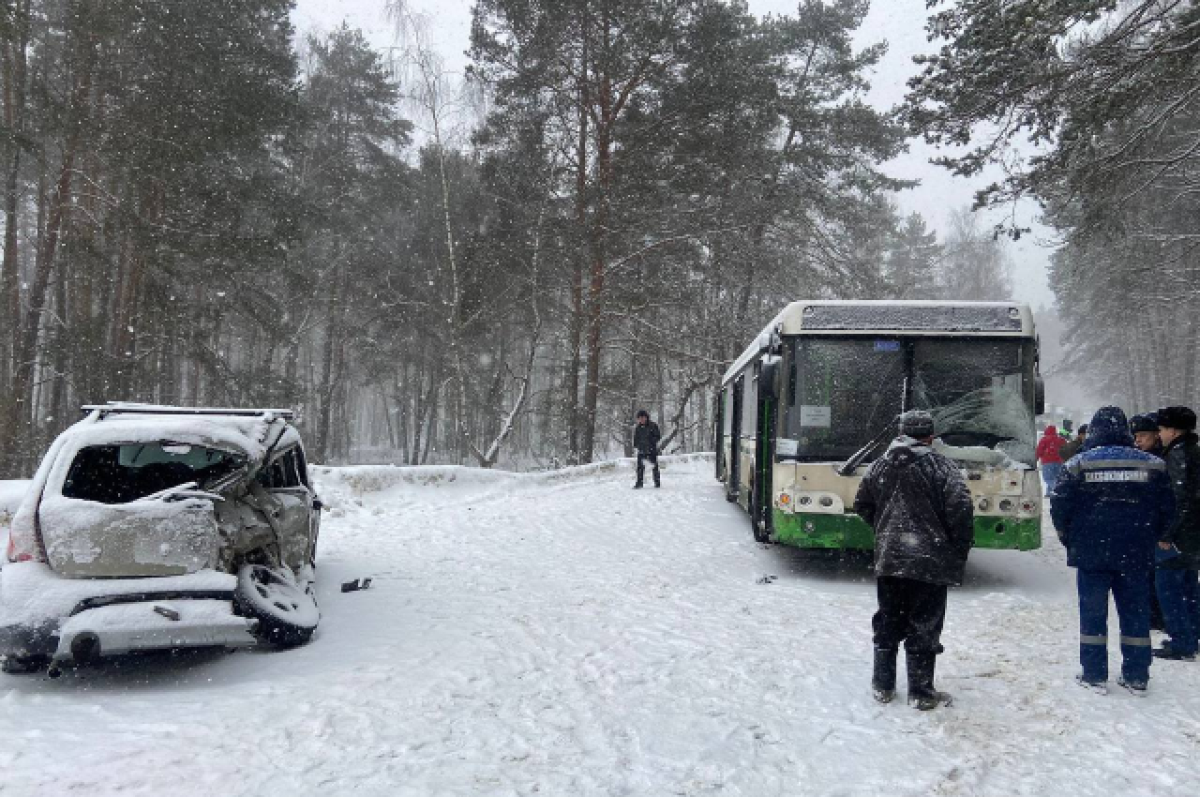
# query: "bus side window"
{"type": "Point", "coordinates": [749, 405]}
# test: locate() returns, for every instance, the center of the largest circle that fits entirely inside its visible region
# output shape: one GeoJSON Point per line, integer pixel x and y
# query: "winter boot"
{"type": "Point", "coordinates": [883, 680]}
{"type": "Point", "coordinates": [637, 486]}
{"type": "Point", "coordinates": [1132, 686]}
{"type": "Point", "coordinates": [1170, 654]}
{"type": "Point", "coordinates": [921, 694]}
{"type": "Point", "coordinates": [1099, 687]}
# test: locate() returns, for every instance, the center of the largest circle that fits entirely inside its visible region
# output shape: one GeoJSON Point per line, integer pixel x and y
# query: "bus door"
{"type": "Point", "coordinates": [734, 470]}
{"type": "Point", "coordinates": [719, 434]}
{"type": "Point", "coordinates": [764, 450]}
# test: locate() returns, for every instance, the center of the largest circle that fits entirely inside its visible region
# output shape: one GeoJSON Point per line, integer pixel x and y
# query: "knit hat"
{"type": "Point", "coordinates": [642, 414]}
{"type": "Point", "coordinates": [916, 423]}
{"type": "Point", "coordinates": [1177, 418]}
{"type": "Point", "coordinates": [1109, 427]}
{"type": "Point", "coordinates": [1143, 423]}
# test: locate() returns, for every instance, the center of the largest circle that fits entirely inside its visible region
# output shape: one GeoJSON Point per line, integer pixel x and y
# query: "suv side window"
{"type": "Point", "coordinates": [281, 472]}
{"type": "Point", "coordinates": [290, 475]}
{"type": "Point", "coordinates": [301, 466]}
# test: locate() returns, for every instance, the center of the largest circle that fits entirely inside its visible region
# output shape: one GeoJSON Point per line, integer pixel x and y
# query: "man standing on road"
{"type": "Point", "coordinates": [1049, 456]}
{"type": "Point", "coordinates": [645, 439]}
{"type": "Point", "coordinates": [1179, 547]}
{"type": "Point", "coordinates": [1074, 446]}
{"type": "Point", "coordinates": [919, 505]}
{"type": "Point", "coordinates": [1145, 438]}
{"type": "Point", "coordinates": [1111, 504]}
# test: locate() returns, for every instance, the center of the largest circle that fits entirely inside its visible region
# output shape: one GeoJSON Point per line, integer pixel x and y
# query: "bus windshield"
{"type": "Point", "coordinates": [843, 391]}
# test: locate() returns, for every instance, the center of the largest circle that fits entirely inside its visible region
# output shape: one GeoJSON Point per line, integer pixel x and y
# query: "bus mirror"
{"type": "Point", "coordinates": [775, 345]}
{"type": "Point", "coordinates": [1039, 396]}
{"type": "Point", "coordinates": [767, 379]}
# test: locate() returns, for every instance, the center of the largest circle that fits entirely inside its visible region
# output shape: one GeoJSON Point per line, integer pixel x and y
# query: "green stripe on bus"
{"type": "Point", "coordinates": [848, 531]}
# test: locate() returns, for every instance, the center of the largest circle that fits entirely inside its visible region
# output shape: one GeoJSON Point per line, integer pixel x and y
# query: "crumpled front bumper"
{"type": "Point", "coordinates": [45, 616]}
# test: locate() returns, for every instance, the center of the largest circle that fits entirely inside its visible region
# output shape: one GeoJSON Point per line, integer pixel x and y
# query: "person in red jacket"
{"type": "Point", "coordinates": [1049, 456]}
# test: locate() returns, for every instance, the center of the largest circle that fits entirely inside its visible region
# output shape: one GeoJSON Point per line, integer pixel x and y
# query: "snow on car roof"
{"type": "Point", "coordinates": [250, 435]}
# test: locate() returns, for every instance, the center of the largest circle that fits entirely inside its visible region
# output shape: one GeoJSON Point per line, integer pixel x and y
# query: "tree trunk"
{"type": "Point", "coordinates": [20, 411]}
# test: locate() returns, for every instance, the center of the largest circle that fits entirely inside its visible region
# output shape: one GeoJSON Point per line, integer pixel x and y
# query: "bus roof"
{"type": "Point", "coordinates": [893, 318]}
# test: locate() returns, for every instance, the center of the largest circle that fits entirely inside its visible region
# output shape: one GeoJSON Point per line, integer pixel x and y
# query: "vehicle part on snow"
{"type": "Point", "coordinates": [286, 613]}
{"type": "Point", "coordinates": [356, 585]}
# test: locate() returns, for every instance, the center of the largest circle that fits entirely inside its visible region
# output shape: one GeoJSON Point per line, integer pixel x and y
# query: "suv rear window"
{"type": "Point", "coordinates": [122, 473]}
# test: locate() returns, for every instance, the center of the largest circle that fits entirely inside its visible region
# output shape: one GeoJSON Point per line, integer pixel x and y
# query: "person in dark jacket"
{"type": "Point", "coordinates": [1145, 434]}
{"type": "Point", "coordinates": [1179, 546]}
{"type": "Point", "coordinates": [645, 439]}
{"type": "Point", "coordinates": [1073, 447]}
{"type": "Point", "coordinates": [919, 505]}
{"type": "Point", "coordinates": [1110, 506]}
{"type": "Point", "coordinates": [1145, 438]}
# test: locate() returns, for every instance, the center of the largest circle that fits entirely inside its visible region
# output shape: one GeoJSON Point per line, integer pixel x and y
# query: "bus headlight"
{"type": "Point", "coordinates": [826, 501]}
{"type": "Point", "coordinates": [1006, 505]}
{"type": "Point", "coordinates": [984, 504]}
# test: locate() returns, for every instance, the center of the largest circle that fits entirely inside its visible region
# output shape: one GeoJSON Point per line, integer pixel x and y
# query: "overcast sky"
{"type": "Point", "coordinates": [899, 22]}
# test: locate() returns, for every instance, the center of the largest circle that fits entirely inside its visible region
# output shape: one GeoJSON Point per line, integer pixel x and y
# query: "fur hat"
{"type": "Point", "coordinates": [916, 423]}
{"type": "Point", "coordinates": [1144, 423]}
{"type": "Point", "coordinates": [1177, 418]}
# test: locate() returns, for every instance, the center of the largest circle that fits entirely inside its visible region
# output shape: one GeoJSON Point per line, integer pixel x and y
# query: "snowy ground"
{"type": "Point", "coordinates": [569, 636]}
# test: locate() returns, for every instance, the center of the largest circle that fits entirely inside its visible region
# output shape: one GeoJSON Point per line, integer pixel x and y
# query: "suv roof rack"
{"type": "Point", "coordinates": [119, 407]}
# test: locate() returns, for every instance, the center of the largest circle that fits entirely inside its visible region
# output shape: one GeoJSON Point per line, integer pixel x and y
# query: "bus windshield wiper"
{"type": "Point", "coordinates": [848, 467]}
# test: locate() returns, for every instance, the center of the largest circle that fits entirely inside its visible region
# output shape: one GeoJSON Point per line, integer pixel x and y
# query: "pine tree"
{"type": "Point", "coordinates": [913, 260]}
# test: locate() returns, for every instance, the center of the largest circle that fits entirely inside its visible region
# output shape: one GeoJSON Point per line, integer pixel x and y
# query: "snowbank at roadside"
{"type": "Point", "coordinates": [363, 479]}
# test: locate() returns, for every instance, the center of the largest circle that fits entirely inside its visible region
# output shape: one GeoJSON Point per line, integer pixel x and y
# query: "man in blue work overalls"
{"type": "Point", "coordinates": [1110, 506]}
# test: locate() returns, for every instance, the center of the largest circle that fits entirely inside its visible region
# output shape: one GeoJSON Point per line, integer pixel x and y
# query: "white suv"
{"type": "Point", "coordinates": [150, 527]}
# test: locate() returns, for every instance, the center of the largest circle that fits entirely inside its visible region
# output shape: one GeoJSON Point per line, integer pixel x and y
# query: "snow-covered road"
{"type": "Point", "coordinates": [566, 635]}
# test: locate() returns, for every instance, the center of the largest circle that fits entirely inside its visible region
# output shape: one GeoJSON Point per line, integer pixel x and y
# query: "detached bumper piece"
{"type": "Point", "coordinates": [131, 627]}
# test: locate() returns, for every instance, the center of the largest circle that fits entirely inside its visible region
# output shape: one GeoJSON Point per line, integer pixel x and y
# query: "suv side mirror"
{"type": "Point", "coordinates": [318, 504]}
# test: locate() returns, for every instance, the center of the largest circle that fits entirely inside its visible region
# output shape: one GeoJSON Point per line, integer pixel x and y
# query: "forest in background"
{"type": "Point", "coordinates": [202, 206]}
{"type": "Point", "coordinates": [1091, 107]}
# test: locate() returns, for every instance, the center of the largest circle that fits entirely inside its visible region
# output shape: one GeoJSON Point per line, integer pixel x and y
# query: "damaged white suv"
{"type": "Point", "coordinates": [152, 528]}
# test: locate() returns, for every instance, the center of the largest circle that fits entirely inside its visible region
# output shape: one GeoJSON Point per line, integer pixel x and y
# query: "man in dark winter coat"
{"type": "Point", "coordinates": [1179, 547]}
{"type": "Point", "coordinates": [1145, 438]}
{"type": "Point", "coordinates": [1073, 447]}
{"type": "Point", "coordinates": [919, 505]}
{"type": "Point", "coordinates": [1110, 506]}
{"type": "Point", "coordinates": [645, 440]}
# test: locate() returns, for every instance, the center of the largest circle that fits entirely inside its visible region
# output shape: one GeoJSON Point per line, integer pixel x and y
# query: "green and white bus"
{"type": "Point", "coordinates": [814, 399]}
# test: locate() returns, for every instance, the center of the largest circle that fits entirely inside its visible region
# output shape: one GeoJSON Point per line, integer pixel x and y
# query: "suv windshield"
{"type": "Point", "coordinates": [118, 474]}
{"type": "Point", "coordinates": [844, 390]}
